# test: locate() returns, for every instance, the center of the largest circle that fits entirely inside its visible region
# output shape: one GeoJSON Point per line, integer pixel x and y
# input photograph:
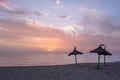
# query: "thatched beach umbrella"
{"type": "Point", "coordinates": [101, 51]}
{"type": "Point", "coordinates": [75, 52]}
{"type": "Point", "coordinates": [105, 52]}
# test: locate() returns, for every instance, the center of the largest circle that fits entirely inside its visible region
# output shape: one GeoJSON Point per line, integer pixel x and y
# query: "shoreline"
{"type": "Point", "coordinates": [33, 65]}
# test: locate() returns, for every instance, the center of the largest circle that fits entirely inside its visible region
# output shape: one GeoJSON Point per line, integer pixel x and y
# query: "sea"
{"type": "Point", "coordinates": [55, 59]}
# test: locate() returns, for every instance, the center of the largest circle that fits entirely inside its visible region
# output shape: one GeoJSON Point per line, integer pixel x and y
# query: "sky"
{"type": "Point", "coordinates": [29, 27]}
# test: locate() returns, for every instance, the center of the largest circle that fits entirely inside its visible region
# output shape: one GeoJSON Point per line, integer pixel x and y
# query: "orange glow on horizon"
{"type": "Point", "coordinates": [51, 46]}
{"type": "Point", "coordinates": [47, 44]}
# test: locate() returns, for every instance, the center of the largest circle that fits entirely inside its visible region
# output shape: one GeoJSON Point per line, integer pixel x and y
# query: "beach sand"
{"type": "Point", "coordinates": [84, 71]}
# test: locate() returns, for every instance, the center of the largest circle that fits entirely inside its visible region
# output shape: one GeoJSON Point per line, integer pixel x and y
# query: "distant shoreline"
{"type": "Point", "coordinates": [22, 65]}
{"type": "Point", "coordinates": [17, 65]}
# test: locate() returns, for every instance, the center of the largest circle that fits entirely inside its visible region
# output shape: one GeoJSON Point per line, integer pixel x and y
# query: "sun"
{"type": "Point", "coordinates": [51, 48]}
{"type": "Point", "coordinates": [51, 45]}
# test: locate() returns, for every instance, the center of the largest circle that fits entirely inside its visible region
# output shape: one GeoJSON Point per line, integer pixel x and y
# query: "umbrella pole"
{"type": "Point", "coordinates": [76, 59]}
{"type": "Point", "coordinates": [104, 60]}
{"type": "Point", "coordinates": [98, 61]}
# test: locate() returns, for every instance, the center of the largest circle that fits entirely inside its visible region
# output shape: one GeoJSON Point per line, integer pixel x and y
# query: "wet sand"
{"type": "Point", "coordinates": [84, 71]}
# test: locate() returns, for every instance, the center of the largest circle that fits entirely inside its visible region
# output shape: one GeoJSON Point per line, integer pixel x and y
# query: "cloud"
{"type": "Point", "coordinates": [6, 4]}
{"type": "Point", "coordinates": [40, 13]}
{"type": "Point", "coordinates": [37, 39]}
{"type": "Point", "coordinates": [18, 12]}
{"type": "Point", "coordinates": [9, 7]}
{"type": "Point", "coordinates": [35, 34]}
{"type": "Point", "coordinates": [12, 10]}
{"type": "Point", "coordinates": [86, 11]}
{"type": "Point", "coordinates": [63, 16]}
{"type": "Point", "coordinates": [58, 2]}
{"type": "Point", "coordinates": [37, 24]}
{"type": "Point", "coordinates": [3, 29]}
{"type": "Point", "coordinates": [97, 23]}
{"type": "Point", "coordinates": [20, 33]}
{"type": "Point", "coordinates": [72, 30]}
{"type": "Point", "coordinates": [25, 13]}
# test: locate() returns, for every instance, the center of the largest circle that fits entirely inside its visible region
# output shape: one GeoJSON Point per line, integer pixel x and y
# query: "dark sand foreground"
{"type": "Point", "coordinates": [63, 72]}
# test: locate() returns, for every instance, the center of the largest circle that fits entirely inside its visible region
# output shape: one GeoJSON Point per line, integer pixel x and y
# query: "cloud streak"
{"type": "Point", "coordinates": [18, 12]}
{"type": "Point", "coordinates": [6, 4]}
{"type": "Point", "coordinates": [40, 13]}
{"type": "Point", "coordinates": [63, 16]}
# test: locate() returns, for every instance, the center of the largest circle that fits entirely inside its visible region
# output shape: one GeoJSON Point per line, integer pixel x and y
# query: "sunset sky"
{"type": "Point", "coordinates": [56, 26]}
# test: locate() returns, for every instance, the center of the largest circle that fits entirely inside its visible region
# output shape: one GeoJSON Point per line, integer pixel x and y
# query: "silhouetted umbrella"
{"type": "Point", "coordinates": [105, 52]}
{"type": "Point", "coordinates": [100, 51]}
{"type": "Point", "coordinates": [75, 52]}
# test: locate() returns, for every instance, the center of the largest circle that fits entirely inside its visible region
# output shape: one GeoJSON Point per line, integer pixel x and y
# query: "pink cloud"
{"type": "Point", "coordinates": [49, 37]}
{"type": "Point", "coordinates": [10, 8]}
{"type": "Point", "coordinates": [6, 5]}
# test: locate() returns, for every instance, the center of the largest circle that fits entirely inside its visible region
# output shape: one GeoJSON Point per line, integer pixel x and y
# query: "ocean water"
{"type": "Point", "coordinates": [54, 59]}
